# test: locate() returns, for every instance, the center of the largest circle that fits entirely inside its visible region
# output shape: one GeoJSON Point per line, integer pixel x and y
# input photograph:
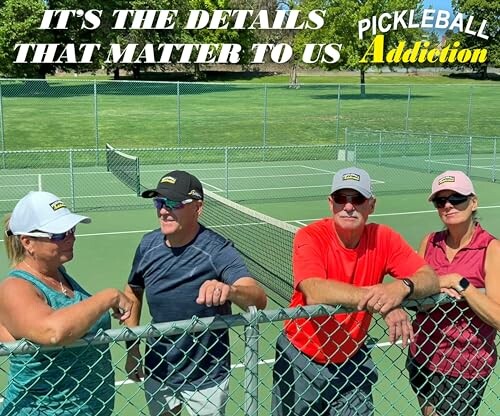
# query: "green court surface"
{"type": "Point", "coordinates": [295, 193]}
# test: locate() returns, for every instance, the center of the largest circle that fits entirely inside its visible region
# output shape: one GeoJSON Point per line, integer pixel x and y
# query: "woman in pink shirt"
{"type": "Point", "coordinates": [454, 352]}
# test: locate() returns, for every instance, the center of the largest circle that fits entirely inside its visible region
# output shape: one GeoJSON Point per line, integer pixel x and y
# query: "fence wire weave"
{"type": "Point", "coordinates": [88, 113]}
{"type": "Point", "coordinates": [251, 173]}
{"type": "Point", "coordinates": [253, 339]}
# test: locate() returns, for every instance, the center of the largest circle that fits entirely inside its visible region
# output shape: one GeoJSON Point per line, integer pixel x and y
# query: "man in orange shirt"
{"type": "Point", "coordinates": [322, 365]}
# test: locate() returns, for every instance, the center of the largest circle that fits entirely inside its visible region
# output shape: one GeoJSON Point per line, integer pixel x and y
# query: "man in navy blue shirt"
{"type": "Point", "coordinates": [186, 270]}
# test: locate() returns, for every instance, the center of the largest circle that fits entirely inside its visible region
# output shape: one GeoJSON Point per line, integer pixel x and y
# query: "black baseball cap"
{"type": "Point", "coordinates": [177, 185]}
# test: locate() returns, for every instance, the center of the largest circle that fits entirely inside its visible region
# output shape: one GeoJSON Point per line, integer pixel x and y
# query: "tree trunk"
{"type": "Point", "coordinates": [116, 73]}
{"type": "Point", "coordinates": [362, 85]}
{"type": "Point", "coordinates": [136, 71]}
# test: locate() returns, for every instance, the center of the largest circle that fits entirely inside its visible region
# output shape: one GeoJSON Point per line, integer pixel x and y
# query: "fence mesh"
{"type": "Point", "coordinates": [397, 164]}
{"type": "Point", "coordinates": [253, 339]}
{"type": "Point", "coordinates": [88, 113]}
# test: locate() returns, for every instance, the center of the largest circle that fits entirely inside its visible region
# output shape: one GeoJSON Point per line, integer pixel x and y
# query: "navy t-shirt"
{"type": "Point", "coordinates": [171, 277]}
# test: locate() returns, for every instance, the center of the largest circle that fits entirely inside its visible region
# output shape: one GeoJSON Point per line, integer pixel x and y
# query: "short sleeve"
{"type": "Point", "coordinates": [229, 264]}
{"type": "Point", "coordinates": [402, 259]}
{"type": "Point", "coordinates": [306, 259]}
{"type": "Point", "coordinates": [136, 277]}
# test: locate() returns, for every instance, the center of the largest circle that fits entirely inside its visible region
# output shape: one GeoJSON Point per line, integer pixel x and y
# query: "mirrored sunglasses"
{"type": "Point", "coordinates": [166, 203]}
{"type": "Point", "coordinates": [342, 199]}
{"type": "Point", "coordinates": [51, 236]}
{"type": "Point", "coordinates": [453, 199]}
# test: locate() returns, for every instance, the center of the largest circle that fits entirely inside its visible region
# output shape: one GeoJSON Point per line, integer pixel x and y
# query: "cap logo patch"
{"type": "Point", "coordinates": [446, 179]}
{"type": "Point", "coordinates": [57, 205]}
{"type": "Point", "coordinates": [351, 177]}
{"type": "Point", "coordinates": [168, 179]}
{"type": "Point", "coordinates": [194, 193]}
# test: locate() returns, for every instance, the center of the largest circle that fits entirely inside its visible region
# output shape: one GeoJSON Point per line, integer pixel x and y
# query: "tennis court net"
{"type": "Point", "coordinates": [124, 167]}
{"type": "Point", "coordinates": [264, 242]}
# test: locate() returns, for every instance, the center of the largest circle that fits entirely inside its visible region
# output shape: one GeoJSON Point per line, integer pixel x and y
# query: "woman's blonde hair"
{"type": "Point", "coordinates": [13, 246]}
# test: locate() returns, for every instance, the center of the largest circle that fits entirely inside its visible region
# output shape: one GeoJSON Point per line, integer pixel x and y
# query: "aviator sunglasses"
{"type": "Point", "coordinates": [453, 199]}
{"type": "Point", "coordinates": [159, 203]}
{"type": "Point", "coordinates": [342, 199]}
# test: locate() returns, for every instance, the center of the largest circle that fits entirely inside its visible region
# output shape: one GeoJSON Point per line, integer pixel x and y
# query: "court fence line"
{"type": "Point", "coordinates": [284, 172]}
{"type": "Point", "coordinates": [186, 111]}
{"type": "Point", "coordinates": [251, 376]}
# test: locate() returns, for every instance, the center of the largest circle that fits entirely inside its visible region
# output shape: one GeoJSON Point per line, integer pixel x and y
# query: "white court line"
{"type": "Point", "coordinates": [487, 167]}
{"type": "Point", "coordinates": [35, 185]}
{"type": "Point", "coordinates": [321, 170]}
{"type": "Point", "coordinates": [212, 186]}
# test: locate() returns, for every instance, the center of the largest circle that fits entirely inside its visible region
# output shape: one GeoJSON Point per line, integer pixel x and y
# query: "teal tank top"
{"type": "Point", "coordinates": [66, 382]}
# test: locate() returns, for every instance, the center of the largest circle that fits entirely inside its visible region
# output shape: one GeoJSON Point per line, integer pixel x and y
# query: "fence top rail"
{"type": "Point", "coordinates": [196, 324]}
{"type": "Point", "coordinates": [174, 149]}
{"type": "Point", "coordinates": [409, 133]}
{"type": "Point", "coordinates": [227, 83]}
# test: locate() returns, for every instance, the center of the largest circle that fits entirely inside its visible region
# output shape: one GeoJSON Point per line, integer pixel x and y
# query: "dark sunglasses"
{"type": "Point", "coordinates": [342, 199]}
{"type": "Point", "coordinates": [169, 204]}
{"type": "Point", "coordinates": [453, 199]}
{"type": "Point", "coordinates": [51, 236]}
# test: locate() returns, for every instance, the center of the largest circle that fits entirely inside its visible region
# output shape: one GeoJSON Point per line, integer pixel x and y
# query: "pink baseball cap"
{"type": "Point", "coordinates": [452, 180]}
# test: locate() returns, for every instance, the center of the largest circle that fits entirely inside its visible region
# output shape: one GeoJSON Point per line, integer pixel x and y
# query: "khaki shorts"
{"type": "Point", "coordinates": [163, 399]}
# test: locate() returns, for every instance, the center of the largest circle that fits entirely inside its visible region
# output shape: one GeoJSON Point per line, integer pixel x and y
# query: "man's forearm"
{"type": "Point", "coordinates": [426, 283]}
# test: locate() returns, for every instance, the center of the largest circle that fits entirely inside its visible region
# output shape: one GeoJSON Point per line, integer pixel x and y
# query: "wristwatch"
{"type": "Point", "coordinates": [410, 286]}
{"type": "Point", "coordinates": [462, 285]}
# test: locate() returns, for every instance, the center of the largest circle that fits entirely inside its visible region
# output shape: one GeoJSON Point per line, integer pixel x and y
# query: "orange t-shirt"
{"type": "Point", "coordinates": [317, 253]}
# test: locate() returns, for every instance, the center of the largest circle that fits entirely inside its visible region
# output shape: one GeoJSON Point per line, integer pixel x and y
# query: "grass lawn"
{"type": "Point", "coordinates": [65, 113]}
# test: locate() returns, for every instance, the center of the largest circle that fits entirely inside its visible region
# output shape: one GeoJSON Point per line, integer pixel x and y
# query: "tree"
{"type": "Point", "coordinates": [481, 10]}
{"type": "Point", "coordinates": [341, 27]}
{"type": "Point", "coordinates": [19, 22]}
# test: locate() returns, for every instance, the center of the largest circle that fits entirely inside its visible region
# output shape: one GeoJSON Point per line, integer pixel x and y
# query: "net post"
{"type": "Point", "coordinates": [40, 188]}
{"type": "Point", "coordinates": [251, 406]}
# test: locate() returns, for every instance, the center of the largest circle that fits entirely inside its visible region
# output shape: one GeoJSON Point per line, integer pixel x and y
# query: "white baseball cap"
{"type": "Point", "coordinates": [45, 212]}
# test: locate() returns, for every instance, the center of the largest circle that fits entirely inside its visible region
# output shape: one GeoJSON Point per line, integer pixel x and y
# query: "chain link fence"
{"type": "Point", "coordinates": [253, 338]}
{"type": "Point", "coordinates": [48, 114]}
{"type": "Point", "coordinates": [90, 179]}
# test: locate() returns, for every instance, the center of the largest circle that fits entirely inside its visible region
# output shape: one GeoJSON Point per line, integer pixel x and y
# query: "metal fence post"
{"type": "Point", "coordinates": [2, 131]}
{"type": "Point", "coordinates": [469, 113]}
{"type": "Point", "coordinates": [178, 114]}
{"type": "Point", "coordinates": [408, 109]}
{"type": "Point", "coordinates": [264, 127]}
{"type": "Point", "coordinates": [338, 116]}
{"type": "Point", "coordinates": [251, 364]}
{"type": "Point", "coordinates": [72, 180]}
{"type": "Point", "coordinates": [96, 121]}
{"type": "Point", "coordinates": [380, 148]}
{"type": "Point", "coordinates": [429, 160]}
{"type": "Point", "coordinates": [469, 157]}
{"type": "Point", "coordinates": [494, 167]}
{"type": "Point", "coordinates": [226, 166]}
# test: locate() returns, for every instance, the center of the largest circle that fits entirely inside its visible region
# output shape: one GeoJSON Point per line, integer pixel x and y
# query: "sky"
{"type": "Point", "coordinates": [438, 4]}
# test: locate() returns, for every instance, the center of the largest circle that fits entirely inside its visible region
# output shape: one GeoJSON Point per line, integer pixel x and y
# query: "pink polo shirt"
{"type": "Point", "coordinates": [452, 339]}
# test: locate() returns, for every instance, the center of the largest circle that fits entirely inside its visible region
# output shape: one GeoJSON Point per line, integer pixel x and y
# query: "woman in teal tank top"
{"type": "Point", "coordinates": [51, 308]}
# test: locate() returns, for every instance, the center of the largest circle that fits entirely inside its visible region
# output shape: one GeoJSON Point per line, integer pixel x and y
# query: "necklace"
{"type": "Point", "coordinates": [64, 291]}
